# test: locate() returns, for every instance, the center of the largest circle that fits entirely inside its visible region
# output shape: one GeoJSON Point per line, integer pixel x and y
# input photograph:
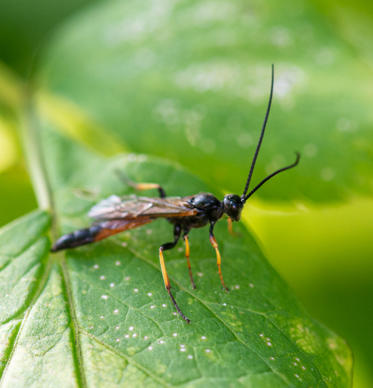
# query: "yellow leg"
{"type": "Point", "coordinates": [168, 286]}
{"type": "Point", "coordinates": [187, 252]}
{"type": "Point", "coordinates": [230, 226]}
{"type": "Point", "coordinates": [145, 186]}
{"type": "Point", "coordinates": [163, 269]}
{"type": "Point", "coordinates": [218, 260]}
{"type": "Point", "coordinates": [148, 186]}
{"type": "Point", "coordinates": [141, 186]}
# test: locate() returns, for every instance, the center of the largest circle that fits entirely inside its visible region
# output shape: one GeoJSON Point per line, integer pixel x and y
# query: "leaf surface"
{"type": "Point", "coordinates": [190, 81]}
{"type": "Point", "coordinates": [99, 315]}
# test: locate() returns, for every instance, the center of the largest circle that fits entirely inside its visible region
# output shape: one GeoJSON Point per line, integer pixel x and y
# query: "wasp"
{"type": "Point", "coordinates": [117, 214]}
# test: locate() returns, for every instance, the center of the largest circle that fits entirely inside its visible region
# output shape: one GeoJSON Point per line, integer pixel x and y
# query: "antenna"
{"type": "Point", "coordinates": [272, 175]}
{"type": "Point", "coordinates": [243, 198]}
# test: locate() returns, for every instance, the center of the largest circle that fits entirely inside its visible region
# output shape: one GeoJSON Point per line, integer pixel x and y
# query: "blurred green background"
{"type": "Point", "coordinates": [314, 228]}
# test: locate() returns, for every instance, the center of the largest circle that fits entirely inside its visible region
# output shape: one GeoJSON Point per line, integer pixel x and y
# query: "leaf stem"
{"type": "Point", "coordinates": [31, 144]}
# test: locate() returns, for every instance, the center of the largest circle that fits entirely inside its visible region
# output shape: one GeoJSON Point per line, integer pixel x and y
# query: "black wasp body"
{"type": "Point", "coordinates": [209, 210]}
{"type": "Point", "coordinates": [117, 214]}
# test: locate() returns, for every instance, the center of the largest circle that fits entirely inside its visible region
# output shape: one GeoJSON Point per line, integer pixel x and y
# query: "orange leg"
{"type": "Point", "coordinates": [141, 186]}
{"type": "Point", "coordinates": [230, 226]}
{"type": "Point", "coordinates": [218, 256]}
{"type": "Point", "coordinates": [149, 186]}
{"type": "Point", "coordinates": [164, 247]}
{"type": "Point", "coordinates": [168, 285]}
{"type": "Point", "coordinates": [187, 252]}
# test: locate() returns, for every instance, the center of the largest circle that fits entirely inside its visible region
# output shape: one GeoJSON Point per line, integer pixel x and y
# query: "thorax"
{"type": "Point", "coordinates": [208, 207]}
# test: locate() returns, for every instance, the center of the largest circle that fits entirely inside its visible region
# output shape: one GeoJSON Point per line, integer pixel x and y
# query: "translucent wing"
{"type": "Point", "coordinates": [134, 207]}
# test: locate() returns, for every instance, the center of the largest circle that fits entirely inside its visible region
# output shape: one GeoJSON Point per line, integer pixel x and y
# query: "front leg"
{"type": "Point", "coordinates": [218, 257]}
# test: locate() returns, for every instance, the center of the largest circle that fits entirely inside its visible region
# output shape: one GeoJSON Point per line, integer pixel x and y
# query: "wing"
{"type": "Point", "coordinates": [134, 207]}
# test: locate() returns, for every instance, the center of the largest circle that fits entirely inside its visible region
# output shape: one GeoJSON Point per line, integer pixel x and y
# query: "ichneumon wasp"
{"type": "Point", "coordinates": [117, 214]}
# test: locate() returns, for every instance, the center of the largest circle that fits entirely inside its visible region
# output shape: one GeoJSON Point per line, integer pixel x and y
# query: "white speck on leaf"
{"type": "Point", "coordinates": [280, 36]}
{"type": "Point", "coordinates": [327, 174]}
{"type": "Point", "coordinates": [345, 125]}
{"type": "Point", "coordinates": [310, 150]}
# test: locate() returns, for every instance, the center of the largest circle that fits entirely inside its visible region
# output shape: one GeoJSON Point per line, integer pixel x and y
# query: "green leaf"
{"type": "Point", "coordinates": [99, 315]}
{"type": "Point", "coordinates": [25, 26]}
{"type": "Point", "coordinates": [190, 81]}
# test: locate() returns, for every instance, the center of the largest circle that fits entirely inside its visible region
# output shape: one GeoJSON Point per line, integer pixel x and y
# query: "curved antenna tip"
{"type": "Point", "coordinates": [272, 175]}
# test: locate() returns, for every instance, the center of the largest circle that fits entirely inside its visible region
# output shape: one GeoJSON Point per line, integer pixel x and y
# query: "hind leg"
{"type": "Point", "coordinates": [141, 186]}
